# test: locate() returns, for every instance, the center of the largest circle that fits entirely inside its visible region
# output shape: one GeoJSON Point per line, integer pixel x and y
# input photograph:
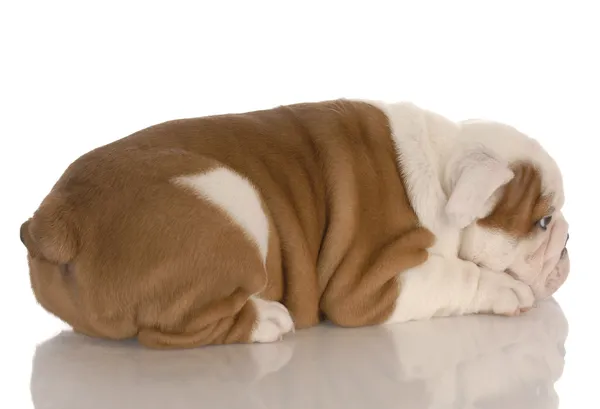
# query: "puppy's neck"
{"type": "Point", "coordinates": [425, 142]}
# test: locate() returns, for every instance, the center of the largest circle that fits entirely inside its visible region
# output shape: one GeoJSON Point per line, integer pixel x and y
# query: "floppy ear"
{"type": "Point", "coordinates": [474, 179]}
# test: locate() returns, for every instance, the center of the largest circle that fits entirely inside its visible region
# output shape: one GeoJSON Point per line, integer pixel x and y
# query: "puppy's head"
{"type": "Point", "coordinates": [506, 192]}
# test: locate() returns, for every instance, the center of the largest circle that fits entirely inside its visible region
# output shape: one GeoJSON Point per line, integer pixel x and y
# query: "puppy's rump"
{"type": "Point", "coordinates": [169, 262]}
{"type": "Point", "coordinates": [51, 233]}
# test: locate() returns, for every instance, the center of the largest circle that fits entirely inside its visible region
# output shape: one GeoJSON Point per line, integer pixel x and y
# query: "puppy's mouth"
{"type": "Point", "coordinates": [555, 268]}
{"type": "Point", "coordinates": [563, 253]}
{"type": "Point", "coordinates": [559, 274]}
{"type": "Point", "coordinates": [548, 265]}
{"type": "Point", "coordinates": [554, 251]}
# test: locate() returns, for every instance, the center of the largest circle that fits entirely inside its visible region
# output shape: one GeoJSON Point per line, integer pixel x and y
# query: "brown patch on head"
{"type": "Point", "coordinates": [521, 204]}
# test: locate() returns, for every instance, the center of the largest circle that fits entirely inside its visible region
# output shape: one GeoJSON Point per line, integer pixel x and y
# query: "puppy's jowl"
{"type": "Point", "coordinates": [242, 228]}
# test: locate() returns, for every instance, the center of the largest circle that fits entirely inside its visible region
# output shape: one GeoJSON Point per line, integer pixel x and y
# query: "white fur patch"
{"type": "Point", "coordinates": [419, 159]}
{"type": "Point", "coordinates": [444, 287]}
{"type": "Point", "coordinates": [237, 197]}
{"type": "Point", "coordinates": [466, 162]}
{"type": "Point", "coordinates": [423, 140]}
{"type": "Point", "coordinates": [432, 148]}
{"type": "Point", "coordinates": [273, 321]}
{"type": "Point", "coordinates": [478, 176]}
{"type": "Point", "coordinates": [511, 145]}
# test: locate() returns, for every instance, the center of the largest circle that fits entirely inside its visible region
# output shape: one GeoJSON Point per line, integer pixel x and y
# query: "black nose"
{"type": "Point", "coordinates": [566, 241]}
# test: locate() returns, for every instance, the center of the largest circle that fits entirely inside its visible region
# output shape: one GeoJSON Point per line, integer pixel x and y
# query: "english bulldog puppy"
{"type": "Point", "coordinates": [240, 228]}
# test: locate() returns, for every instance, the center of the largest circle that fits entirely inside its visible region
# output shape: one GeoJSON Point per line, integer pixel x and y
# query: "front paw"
{"type": "Point", "coordinates": [499, 293]}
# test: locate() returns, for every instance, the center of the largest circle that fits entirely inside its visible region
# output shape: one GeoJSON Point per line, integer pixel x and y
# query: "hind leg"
{"type": "Point", "coordinates": [231, 320]}
{"type": "Point", "coordinates": [272, 321]}
{"type": "Point", "coordinates": [227, 247]}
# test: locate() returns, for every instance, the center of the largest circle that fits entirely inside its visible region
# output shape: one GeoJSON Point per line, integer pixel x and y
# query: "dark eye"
{"type": "Point", "coordinates": [65, 269]}
{"type": "Point", "coordinates": [543, 223]}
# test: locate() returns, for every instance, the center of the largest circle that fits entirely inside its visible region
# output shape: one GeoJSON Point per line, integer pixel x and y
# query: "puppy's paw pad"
{"type": "Point", "coordinates": [273, 321]}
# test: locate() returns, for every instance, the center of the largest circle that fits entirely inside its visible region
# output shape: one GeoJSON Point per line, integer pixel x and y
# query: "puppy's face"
{"type": "Point", "coordinates": [525, 235]}
{"type": "Point", "coordinates": [516, 197]}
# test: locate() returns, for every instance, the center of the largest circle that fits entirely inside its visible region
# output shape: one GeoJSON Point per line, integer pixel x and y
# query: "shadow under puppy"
{"type": "Point", "coordinates": [241, 227]}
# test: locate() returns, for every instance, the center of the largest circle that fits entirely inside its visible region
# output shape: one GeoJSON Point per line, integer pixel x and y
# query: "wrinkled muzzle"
{"type": "Point", "coordinates": [553, 258]}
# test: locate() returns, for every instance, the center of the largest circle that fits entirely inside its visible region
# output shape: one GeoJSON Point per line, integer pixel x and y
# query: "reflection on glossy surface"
{"type": "Point", "coordinates": [464, 362]}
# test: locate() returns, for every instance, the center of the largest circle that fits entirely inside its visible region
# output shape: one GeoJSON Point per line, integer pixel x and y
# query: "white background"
{"type": "Point", "coordinates": [75, 75]}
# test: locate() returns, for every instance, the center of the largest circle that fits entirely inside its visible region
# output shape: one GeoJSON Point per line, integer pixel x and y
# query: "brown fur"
{"type": "Point", "coordinates": [521, 205]}
{"type": "Point", "coordinates": [150, 259]}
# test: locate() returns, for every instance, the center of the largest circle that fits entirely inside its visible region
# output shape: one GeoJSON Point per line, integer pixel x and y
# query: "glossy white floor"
{"type": "Point", "coordinates": [465, 362]}
{"type": "Point", "coordinates": [80, 74]}
{"type": "Point", "coordinates": [468, 362]}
